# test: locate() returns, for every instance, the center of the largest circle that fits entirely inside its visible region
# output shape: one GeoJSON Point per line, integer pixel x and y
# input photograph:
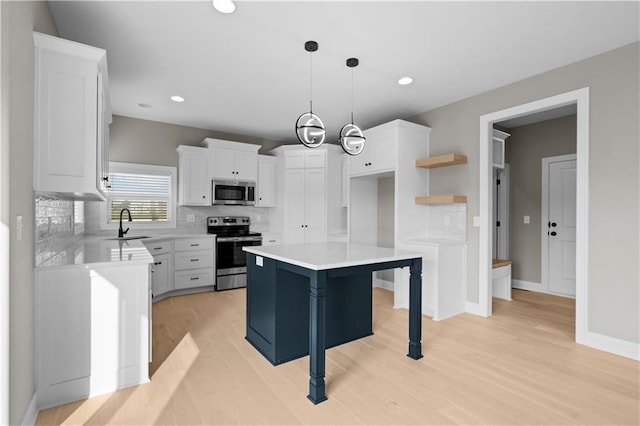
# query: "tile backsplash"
{"type": "Point", "coordinates": [54, 226]}
{"type": "Point", "coordinates": [259, 219]}
{"type": "Point", "coordinates": [447, 222]}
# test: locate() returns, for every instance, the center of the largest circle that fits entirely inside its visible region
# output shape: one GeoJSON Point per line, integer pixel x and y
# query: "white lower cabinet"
{"type": "Point", "coordinates": [92, 330]}
{"type": "Point", "coordinates": [194, 262]}
{"type": "Point", "coordinates": [161, 282]}
{"type": "Point", "coordinates": [443, 278]}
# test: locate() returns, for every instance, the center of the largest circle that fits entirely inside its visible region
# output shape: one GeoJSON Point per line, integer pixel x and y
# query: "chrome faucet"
{"type": "Point", "coordinates": [120, 231]}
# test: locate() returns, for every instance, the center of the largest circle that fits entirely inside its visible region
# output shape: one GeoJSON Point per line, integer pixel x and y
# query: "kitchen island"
{"type": "Point", "coordinates": [304, 298]}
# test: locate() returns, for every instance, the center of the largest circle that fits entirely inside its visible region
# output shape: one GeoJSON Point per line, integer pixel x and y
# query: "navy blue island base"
{"type": "Point", "coordinates": [295, 308]}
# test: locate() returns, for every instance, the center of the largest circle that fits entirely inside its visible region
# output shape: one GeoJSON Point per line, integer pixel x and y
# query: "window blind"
{"type": "Point", "coordinates": [147, 196]}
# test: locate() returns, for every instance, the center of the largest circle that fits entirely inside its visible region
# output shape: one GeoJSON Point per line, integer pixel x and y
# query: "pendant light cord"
{"type": "Point", "coordinates": [311, 82]}
{"type": "Point", "coordinates": [351, 95]}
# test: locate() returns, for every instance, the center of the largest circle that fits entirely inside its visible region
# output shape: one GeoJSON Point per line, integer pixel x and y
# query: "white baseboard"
{"type": "Point", "coordinates": [612, 345]}
{"type": "Point", "coordinates": [387, 285]}
{"type": "Point", "coordinates": [474, 308]}
{"type": "Point", "coordinates": [32, 411]}
{"type": "Point", "coordinates": [527, 285]}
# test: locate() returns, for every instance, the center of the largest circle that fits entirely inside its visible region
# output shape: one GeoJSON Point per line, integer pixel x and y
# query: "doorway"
{"type": "Point", "coordinates": [580, 98]}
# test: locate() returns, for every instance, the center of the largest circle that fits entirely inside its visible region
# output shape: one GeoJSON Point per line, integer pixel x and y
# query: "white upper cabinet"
{"type": "Point", "coordinates": [72, 115]}
{"type": "Point", "coordinates": [193, 176]}
{"type": "Point", "coordinates": [497, 147]}
{"type": "Point", "coordinates": [266, 181]}
{"type": "Point", "coordinates": [379, 154]}
{"type": "Point", "coordinates": [302, 159]}
{"type": "Point", "coordinates": [232, 160]}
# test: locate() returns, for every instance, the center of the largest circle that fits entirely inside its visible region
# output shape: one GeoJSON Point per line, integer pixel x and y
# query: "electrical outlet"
{"type": "Point", "coordinates": [447, 221]}
{"type": "Point", "coordinates": [476, 221]}
{"type": "Point", "coordinates": [527, 219]}
{"type": "Point", "coordinates": [191, 218]}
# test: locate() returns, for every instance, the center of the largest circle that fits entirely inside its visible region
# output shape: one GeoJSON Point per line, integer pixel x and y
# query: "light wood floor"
{"type": "Point", "coordinates": [520, 366]}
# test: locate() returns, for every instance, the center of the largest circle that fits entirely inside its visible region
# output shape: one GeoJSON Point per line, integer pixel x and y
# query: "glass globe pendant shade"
{"type": "Point", "coordinates": [310, 130]}
{"type": "Point", "coordinates": [352, 139]}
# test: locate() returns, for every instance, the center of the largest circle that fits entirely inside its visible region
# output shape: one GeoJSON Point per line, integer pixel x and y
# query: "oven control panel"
{"type": "Point", "coordinates": [228, 221]}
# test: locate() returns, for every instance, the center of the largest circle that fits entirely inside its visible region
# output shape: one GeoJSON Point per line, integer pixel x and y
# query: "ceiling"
{"type": "Point", "coordinates": [247, 73]}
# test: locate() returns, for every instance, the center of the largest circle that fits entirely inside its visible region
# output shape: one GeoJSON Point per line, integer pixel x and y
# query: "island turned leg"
{"type": "Point", "coordinates": [317, 336]}
{"type": "Point", "coordinates": [415, 309]}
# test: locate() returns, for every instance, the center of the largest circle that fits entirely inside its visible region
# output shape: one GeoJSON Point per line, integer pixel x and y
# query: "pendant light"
{"type": "Point", "coordinates": [351, 137]}
{"type": "Point", "coordinates": [310, 129]}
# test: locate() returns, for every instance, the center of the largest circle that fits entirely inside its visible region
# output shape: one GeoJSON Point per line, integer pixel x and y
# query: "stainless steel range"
{"type": "Point", "coordinates": [232, 233]}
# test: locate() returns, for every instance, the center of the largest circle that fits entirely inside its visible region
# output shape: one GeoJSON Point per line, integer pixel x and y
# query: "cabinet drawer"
{"type": "Point", "coordinates": [194, 278]}
{"type": "Point", "coordinates": [193, 244]}
{"type": "Point", "coordinates": [193, 259]}
{"type": "Point", "coordinates": [158, 247]}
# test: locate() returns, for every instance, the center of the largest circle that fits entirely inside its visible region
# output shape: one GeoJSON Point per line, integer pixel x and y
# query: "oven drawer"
{"type": "Point", "coordinates": [193, 259]}
{"type": "Point", "coordinates": [158, 247]}
{"type": "Point", "coordinates": [183, 244]}
{"type": "Point", "coordinates": [194, 278]}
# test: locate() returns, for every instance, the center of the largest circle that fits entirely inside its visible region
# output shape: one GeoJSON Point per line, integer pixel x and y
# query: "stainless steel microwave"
{"type": "Point", "coordinates": [229, 192]}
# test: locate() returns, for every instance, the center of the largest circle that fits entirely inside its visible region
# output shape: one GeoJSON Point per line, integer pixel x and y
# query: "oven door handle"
{"type": "Point", "coordinates": [233, 239]}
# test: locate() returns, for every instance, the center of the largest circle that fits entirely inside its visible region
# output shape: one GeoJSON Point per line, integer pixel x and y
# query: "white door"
{"type": "Point", "coordinates": [561, 227]}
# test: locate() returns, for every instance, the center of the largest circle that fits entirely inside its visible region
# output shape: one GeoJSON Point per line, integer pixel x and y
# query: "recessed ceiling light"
{"type": "Point", "coordinates": [177, 99]}
{"type": "Point", "coordinates": [144, 105]}
{"type": "Point", "coordinates": [405, 80]}
{"type": "Point", "coordinates": [224, 6]}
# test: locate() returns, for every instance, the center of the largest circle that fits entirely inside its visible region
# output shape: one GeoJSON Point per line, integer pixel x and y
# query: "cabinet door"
{"type": "Point", "coordinates": [195, 181]}
{"type": "Point", "coordinates": [380, 153]}
{"type": "Point", "coordinates": [266, 183]}
{"type": "Point", "coordinates": [223, 163]}
{"type": "Point", "coordinates": [161, 274]}
{"type": "Point", "coordinates": [246, 167]}
{"type": "Point", "coordinates": [66, 124]}
{"type": "Point", "coordinates": [315, 158]}
{"type": "Point", "coordinates": [315, 206]}
{"type": "Point", "coordinates": [294, 206]}
{"type": "Point", "coordinates": [102, 176]}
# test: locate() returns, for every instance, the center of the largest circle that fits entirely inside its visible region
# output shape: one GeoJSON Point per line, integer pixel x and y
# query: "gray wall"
{"type": "Point", "coordinates": [525, 149]}
{"type": "Point", "coordinates": [141, 141]}
{"type": "Point", "coordinates": [19, 19]}
{"type": "Point", "coordinates": [614, 82]}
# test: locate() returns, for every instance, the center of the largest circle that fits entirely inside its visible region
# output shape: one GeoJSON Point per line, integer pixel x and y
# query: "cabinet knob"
{"type": "Point", "coordinates": [203, 196]}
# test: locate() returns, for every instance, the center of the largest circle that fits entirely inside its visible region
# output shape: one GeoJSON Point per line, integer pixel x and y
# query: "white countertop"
{"type": "Point", "coordinates": [93, 250]}
{"type": "Point", "coordinates": [432, 242]}
{"type": "Point", "coordinates": [321, 256]}
{"type": "Point", "coordinates": [105, 250]}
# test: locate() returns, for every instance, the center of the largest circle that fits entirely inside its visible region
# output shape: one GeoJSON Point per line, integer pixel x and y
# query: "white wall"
{"type": "Point", "coordinates": [613, 79]}
{"type": "Point", "coordinates": [19, 20]}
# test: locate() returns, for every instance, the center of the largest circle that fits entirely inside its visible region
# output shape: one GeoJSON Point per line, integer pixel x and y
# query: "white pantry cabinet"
{"type": "Point", "coordinates": [71, 115]}
{"type": "Point", "coordinates": [92, 330]}
{"type": "Point", "coordinates": [193, 176]}
{"type": "Point", "coordinates": [266, 181]}
{"type": "Point", "coordinates": [232, 160]}
{"type": "Point", "coordinates": [305, 201]}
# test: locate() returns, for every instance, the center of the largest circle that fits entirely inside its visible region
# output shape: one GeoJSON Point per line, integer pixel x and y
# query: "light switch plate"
{"type": "Point", "coordinates": [18, 228]}
{"type": "Point", "coordinates": [476, 221]}
{"type": "Point", "coordinates": [527, 219]}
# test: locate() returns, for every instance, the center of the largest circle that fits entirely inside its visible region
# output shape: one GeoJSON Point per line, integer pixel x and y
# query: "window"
{"type": "Point", "coordinates": [148, 191]}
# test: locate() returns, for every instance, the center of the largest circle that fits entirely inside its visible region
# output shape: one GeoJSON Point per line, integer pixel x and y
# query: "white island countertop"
{"type": "Point", "coordinates": [331, 255]}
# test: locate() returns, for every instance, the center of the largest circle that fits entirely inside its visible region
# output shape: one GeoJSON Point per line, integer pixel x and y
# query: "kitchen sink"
{"type": "Point", "coordinates": [136, 237]}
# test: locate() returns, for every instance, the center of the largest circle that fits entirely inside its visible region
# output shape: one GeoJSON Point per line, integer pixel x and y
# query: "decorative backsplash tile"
{"type": "Point", "coordinates": [54, 226]}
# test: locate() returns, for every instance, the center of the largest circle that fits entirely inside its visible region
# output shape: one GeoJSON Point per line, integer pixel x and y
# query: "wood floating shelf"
{"type": "Point", "coordinates": [441, 161]}
{"type": "Point", "coordinates": [442, 199]}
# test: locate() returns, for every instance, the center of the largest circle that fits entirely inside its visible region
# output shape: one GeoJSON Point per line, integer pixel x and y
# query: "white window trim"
{"type": "Point", "coordinates": [115, 166]}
